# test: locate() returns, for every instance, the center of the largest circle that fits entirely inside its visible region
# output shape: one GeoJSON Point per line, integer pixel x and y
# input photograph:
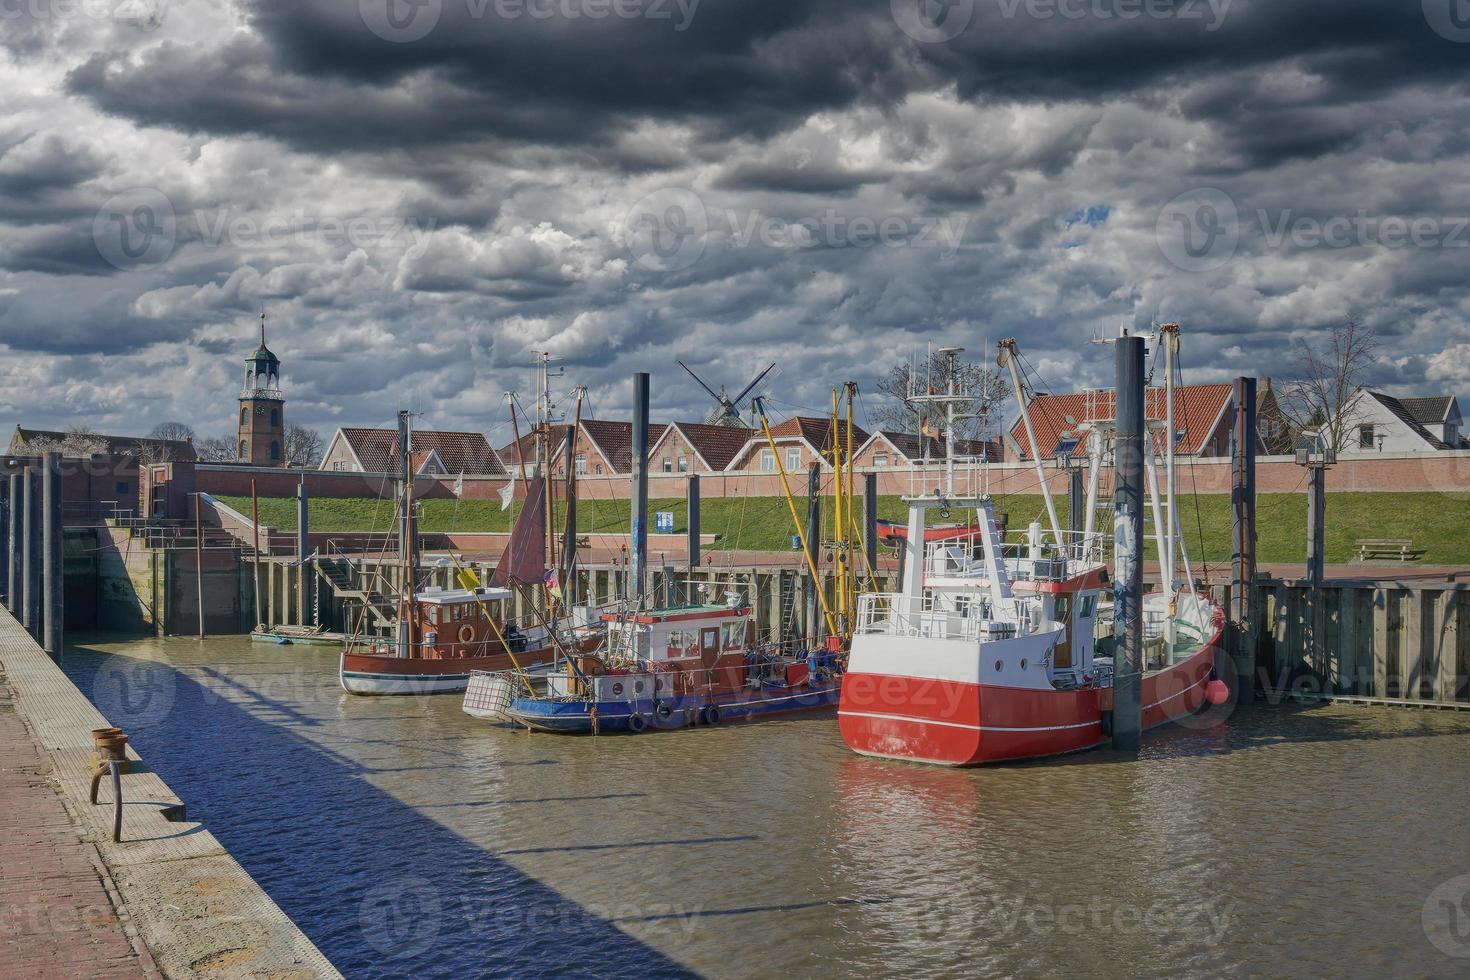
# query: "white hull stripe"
{"type": "Point", "coordinates": [1177, 693]}
{"type": "Point", "coordinates": [972, 728]}
{"type": "Point", "coordinates": [993, 728]}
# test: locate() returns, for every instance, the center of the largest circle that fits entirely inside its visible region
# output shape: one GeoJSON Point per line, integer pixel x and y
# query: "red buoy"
{"type": "Point", "coordinates": [1217, 692]}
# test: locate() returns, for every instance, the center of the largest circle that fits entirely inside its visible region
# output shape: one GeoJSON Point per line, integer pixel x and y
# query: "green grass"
{"type": "Point", "coordinates": [1437, 522]}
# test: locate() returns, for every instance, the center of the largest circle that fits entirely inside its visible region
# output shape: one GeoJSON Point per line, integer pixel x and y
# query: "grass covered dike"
{"type": "Point", "coordinates": [1437, 522]}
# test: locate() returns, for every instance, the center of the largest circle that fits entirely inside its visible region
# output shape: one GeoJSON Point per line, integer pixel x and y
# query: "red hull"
{"type": "Point", "coordinates": [959, 724]}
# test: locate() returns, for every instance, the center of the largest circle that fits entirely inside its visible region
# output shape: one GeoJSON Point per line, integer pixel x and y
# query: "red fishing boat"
{"type": "Point", "coordinates": [441, 635]}
{"type": "Point", "coordinates": [996, 652]}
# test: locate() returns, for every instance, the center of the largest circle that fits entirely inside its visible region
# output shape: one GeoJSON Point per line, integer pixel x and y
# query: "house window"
{"type": "Point", "coordinates": [1365, 436]}
{"type": "Point", "coordinates": [275, 417]}
{"type": "Point", "coordinates": [244, 415]}
{"type": "Point", "coordinates": [668, 465]}
{"type": "Point", "coordinates": [881, 459]}
{"type": "Point", "coordinates": [599, 468]}
{"type": "Point", "coordinates": [580, 464]}
{"type": "Point", "coordinates": [244, 451]}
{"type": "Point", "coordinates": [793, 458]}
{"type": "Point", "coordinates": [339, 465]}
{"type": "Point", "coordinates": [275, 450]}
{"type": "Point", "coordinates": [683, 464]}
{"type": "Point", "coordinates": [768, 461]}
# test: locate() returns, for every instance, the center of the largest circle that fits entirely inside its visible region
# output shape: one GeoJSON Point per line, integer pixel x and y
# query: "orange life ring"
{"type": "Point", "coordinates": [466, 633]}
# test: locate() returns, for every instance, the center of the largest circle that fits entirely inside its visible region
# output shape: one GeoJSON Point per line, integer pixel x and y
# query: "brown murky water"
{"type": "Point", "coordinates": [406, 838]}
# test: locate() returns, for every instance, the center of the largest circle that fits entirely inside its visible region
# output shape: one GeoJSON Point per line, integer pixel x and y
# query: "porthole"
{"type": "Point", "coordinates": [638, 687]}
{"type": "Point", "coordinates": [1024, 663]}
{"type": "Point", "coordinates": [617, 689]}
{"type": "Point", "coordinates": [1000, 665]}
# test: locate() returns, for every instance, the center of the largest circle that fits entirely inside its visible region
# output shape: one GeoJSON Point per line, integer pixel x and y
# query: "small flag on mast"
{"type": "Point", "coordinates": [459, 485]}
{"type": "Point", "coordinates": [553, 585]}
{"type": "Point", "coordinates": [506, 493]}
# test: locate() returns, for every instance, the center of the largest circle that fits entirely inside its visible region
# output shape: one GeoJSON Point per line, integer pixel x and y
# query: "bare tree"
{"type": "Point", "coordinates": [79, 442]}
{"type": "Point", "coordinates": [217, 449]}
{"type": "Point", "coordinates": [1330, 373]}
{"type": "Point", "coordinates": [897, 413]}
{"type": "Point", "coordinates": [304, 446]}
{"type": "Point", "coordinates": [172, 431]}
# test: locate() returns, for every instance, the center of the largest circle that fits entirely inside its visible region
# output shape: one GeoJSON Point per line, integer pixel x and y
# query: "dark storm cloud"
{"type": "Point", "coordinates": [521, 147]}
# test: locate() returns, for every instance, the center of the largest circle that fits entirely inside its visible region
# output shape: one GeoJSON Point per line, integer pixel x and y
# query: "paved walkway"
{"type": "Point", "coordinates": [58, 905]}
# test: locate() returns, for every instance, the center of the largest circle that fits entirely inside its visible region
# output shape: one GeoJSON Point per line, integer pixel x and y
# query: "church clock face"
{"type": "Point", "coordinates": [259, 409]}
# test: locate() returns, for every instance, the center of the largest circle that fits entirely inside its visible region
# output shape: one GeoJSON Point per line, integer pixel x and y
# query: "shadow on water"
{"type": "Point", "coordinates": [380, 888]}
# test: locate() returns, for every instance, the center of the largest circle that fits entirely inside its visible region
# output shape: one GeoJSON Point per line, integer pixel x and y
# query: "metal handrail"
{"type": "Point", "coordinates": [940, 617]}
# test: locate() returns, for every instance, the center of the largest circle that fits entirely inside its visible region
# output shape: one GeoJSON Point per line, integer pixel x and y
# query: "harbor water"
{"type": "Point", "coordinates": [407, 839]}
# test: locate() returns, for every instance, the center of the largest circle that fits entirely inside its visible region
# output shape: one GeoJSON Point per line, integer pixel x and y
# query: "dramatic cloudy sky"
{"type": "Point", "coordinates": [420, 192]}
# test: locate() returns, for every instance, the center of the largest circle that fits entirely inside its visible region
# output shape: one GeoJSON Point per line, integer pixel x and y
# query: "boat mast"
{"type": "Point", "coordinates": [1170, 332]}
{"type": "Point", "coordinates": [407, 536]}
{"type": "Point", "coordinates": [1008, 358]}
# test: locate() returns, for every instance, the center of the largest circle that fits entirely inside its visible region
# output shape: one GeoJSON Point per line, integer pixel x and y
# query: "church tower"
{"type": "Point", "coordinates": [262, 439]}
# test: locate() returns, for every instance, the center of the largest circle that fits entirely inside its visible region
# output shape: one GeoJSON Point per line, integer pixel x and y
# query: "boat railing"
{"type": "Point", "coordinates": [964, 557]}
{"type": "Point", "coordinates": [939, 617]}
{"type": "Point", "coordinates": [640, 680]}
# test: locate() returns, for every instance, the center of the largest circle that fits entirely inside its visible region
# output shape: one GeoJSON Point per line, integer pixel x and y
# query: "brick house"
{"type": "Point", "coordinates": [800, 440]}
{"type": "Point", "coordinates": [694, 447]}
{"type": "Point", "coordinates": [1203, 415]}
{"type": "Point", "coordinates": [886, 448]}
{"type": "Point", "coordinates": [358, 450]}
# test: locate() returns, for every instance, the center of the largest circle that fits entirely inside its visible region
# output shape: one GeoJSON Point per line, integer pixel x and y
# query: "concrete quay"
{"type": "Point", "coordinates": [167, 901]}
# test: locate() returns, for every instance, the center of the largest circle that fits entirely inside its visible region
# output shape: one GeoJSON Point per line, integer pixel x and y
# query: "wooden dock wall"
{"type": "Point", "coordinates": [1392, 641]}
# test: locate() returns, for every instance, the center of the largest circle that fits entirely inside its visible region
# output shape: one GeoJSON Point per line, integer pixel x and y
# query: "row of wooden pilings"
{"type": "Point", "coordinates": [31, 547]}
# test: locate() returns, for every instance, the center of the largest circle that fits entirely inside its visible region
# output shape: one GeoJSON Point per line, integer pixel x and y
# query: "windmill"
{"type": "Point", "coordinates": [726, 413]}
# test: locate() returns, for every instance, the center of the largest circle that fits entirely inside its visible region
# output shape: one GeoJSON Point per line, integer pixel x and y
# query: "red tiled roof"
{"type": "Point", "coordinates": [512, 453]}
{"type": "Point", "coordinates": [460, 452]}
{"type": "Point", "coordinates": [912, 446]}
{"type": "Point", "coordinates": [817, 431]}
{"type": "Point", "coordinates": [1196, 410]}
{"type": "Point", "coordinates": [717, 444]}
{"type": "Point", "coordinates": [615, 440]}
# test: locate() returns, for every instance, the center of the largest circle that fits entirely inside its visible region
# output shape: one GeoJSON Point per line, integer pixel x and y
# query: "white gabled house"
{"type": "Point", "coordinates": [1380, 423]}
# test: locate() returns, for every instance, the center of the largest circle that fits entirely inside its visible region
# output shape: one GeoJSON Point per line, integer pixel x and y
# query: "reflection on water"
{"type": "Point", "coordinates": [406, 838]}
